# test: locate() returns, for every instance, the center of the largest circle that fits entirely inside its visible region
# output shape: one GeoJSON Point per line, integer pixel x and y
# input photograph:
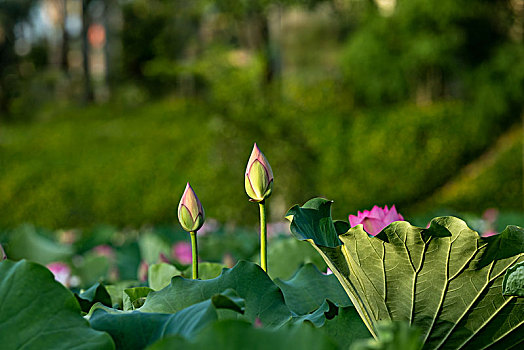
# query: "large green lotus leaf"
{"type": "Point", "coordinates": [346, 327]}
{"type": "Point", "coordinates": [206, 270]}
{"type": "Point", "coordinates": [513, 283]}
{"type": "Point", "coordinates": [263, 298]}
{"type": "Point", "coordinates": [26, 243]}
{"type": "Point", "coordinates": [36, 312]}
{"type": "Point", "coordinates": [287, 254]}
{"type": "Point", "coordinates": [133, 298]}
{"type": "Point", "coordinates": [116, 292]}
{"type": "Point", "coordinates": [313, 221]}
{"type": "Point", "coordinates": [152, 246]}
{"type": "Point", "coordinates": [136, 330]}
{"type": "Point", "coordinates": [303, 299]}
{"type": "Point", "coordinates": [96, 293]}
{"type": "Point", "coordinates": [159, 275]}
{"type": "Point", "coordinates": [318, 317]}
{"type": "Point", "coordinates": [446, 279]}
{"type": "Point", "coordinates": [92, 268]}
{"type": "Point", "coordinates": [240, 335]}
{"type": "Point", "coordinates": [391, 336]}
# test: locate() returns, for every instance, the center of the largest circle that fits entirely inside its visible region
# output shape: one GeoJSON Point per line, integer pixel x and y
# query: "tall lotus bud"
{"type": "Point", "coordinates": [190, 211]}
{"type": "Point", "coordinates": [259, 176]}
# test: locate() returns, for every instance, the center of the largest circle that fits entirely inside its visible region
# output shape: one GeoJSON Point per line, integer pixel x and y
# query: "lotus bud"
{"type": "Point", "coordinates": [190, 211]}
{"type": "Point", "coordinates": [259, 176]}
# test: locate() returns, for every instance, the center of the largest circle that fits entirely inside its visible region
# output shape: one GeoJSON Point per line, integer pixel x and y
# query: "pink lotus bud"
{"type": "Point", "coordinates": [61, 271]}
{"type": "Point", "coordinates": [376, 219]}
{"type": "Point", "coordinates": [182, 252]}
{"type": "Point", "coordinates": [257, 323]}
{"type": "Point", "coordinates": [190, 211]}
{"type": "Point", "coordinates": [259, 176]}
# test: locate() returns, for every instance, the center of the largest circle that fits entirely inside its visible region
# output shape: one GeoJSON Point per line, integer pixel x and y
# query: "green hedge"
{"type": "Point", "coordinates": [128, 166]}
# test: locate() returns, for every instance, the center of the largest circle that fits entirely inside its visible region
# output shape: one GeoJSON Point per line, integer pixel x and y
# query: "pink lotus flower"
{"type": "Point", "coordinates": [490, 218]}
{"type": "Point", "coordinates": [182, 252]}
{"type": "Point", "coordinates": [61, 271]}
{"type": "Point", "coordinates": [190, 211]}
{"type": "Point", "coordinates": [258, 180]}
{"type": "Point", "coordinates": [489, 233]}
{"type": "Point", "coordinates": [328, 272]}
{"type": "Point", "coordinates": [376, 219]}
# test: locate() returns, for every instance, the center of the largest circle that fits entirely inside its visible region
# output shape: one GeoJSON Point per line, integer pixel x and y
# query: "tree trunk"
{"type": "Point", "coordinates": [88, 85]}
{"type": "Point", "coordinates": [65, 40]}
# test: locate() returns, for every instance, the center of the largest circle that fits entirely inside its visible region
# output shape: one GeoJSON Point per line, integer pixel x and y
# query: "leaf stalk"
{"type": "Point", "coordinates": [194, 254]}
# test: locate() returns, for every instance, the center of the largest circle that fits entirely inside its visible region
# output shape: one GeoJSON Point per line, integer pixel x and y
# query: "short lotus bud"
{"type": "Point", "coordinates": [190, 211]}
{"type": "Point", "coordinates": [259, 176]}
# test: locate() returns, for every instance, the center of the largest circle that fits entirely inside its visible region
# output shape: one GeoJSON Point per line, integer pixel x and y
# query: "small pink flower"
{"type": "Point", "coordinates": [258, 323]}
{"type": "Point", "coordinates": [61, 271]}
{"type": "Point", "coordinates": [376, 219]}
{"type": "Point", "coordinates": [182, 252]}
{"type": "Point", "coordinates": [104, 250]}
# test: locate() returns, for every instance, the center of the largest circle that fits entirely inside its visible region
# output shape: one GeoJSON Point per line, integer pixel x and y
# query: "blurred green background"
{"type": "Point", "coordinates": [107, 108]}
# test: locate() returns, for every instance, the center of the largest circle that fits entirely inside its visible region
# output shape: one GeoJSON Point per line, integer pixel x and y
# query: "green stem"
{"type": "Point", "coordinates": [263, 236]}
{"type": "Point", "coordinates": [194, 253]}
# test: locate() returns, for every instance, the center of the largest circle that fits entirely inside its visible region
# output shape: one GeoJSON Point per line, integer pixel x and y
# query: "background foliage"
{"type": "Point", "coordinates": [419, 105]}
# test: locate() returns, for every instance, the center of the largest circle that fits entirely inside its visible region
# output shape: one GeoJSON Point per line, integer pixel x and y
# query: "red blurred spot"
{"type": "Point", "coordinates": [96, 35]}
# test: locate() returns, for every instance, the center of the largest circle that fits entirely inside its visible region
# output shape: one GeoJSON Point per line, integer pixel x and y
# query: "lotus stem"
{"type": "Point", "coordinates": [263, 236]}
{"type": "Point", "coordinates": [194, 254]}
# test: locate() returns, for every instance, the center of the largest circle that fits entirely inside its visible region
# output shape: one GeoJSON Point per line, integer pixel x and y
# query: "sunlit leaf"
{"type": "Point", "coordinates": [446, 280]}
